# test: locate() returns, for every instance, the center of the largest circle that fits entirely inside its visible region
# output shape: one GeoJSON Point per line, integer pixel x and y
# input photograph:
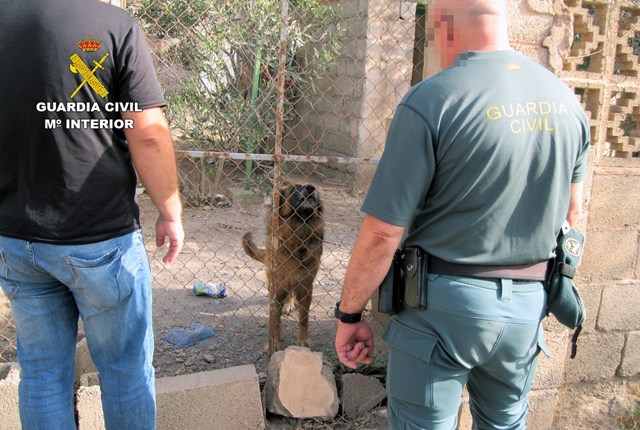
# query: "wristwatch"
{"type": "Point", "coordinates": [347, 318]}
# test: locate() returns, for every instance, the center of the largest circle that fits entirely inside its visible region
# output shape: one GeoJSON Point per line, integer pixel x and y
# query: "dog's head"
{"type": "Point", "coordinates": [301, 200]}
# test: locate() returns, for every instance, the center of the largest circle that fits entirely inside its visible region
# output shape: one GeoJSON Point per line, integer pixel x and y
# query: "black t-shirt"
{"type": "Point", "coordinates": [69, 68]}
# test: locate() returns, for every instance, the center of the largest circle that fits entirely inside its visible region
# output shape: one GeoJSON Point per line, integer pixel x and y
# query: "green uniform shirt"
{"type": "Point", "coordinates": [479, 161]}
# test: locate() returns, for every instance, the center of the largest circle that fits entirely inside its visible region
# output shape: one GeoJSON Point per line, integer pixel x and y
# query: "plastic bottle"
{"type": "Point", "coordinates": [218, 291]}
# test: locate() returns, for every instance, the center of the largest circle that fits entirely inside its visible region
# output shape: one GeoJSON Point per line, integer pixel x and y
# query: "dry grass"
{"type": "Point", "coordinates": [632, 422]}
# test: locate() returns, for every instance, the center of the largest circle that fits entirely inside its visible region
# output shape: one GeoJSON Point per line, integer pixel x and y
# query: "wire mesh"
{"type": "Point", "coordinates": [241, 80]}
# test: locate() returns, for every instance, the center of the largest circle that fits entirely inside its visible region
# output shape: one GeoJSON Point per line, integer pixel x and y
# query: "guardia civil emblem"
{"type": "Point", "coordinates": [89, 76]}
{"type": "Point", "coordinates": [572, 247]}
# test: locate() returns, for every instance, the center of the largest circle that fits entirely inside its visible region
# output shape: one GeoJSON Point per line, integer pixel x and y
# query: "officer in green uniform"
{"type": "Point", "coordinates": [483, 163]}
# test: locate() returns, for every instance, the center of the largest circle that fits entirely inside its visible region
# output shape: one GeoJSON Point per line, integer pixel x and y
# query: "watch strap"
{"type": "Point", "coordinates": [347, 318]}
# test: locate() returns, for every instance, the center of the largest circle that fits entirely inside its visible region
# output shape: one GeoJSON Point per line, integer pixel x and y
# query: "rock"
{"type": "Point", "coordinates": [83, 362]}
{"type": "Point", "coordinates": [299, 385]}
{"type": "Point", "coordinates": [360, 393]}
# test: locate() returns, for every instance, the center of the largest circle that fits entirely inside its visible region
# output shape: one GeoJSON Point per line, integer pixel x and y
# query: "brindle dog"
{"type": "Point", "coordinates": [291, 255]}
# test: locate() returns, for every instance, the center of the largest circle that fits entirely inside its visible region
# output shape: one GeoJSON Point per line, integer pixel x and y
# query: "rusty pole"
{"type": "Point", "coordinates": [277, 166]}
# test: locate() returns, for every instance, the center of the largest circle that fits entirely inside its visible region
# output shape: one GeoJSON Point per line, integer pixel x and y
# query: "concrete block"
{"type": "Point", "coordinates": [465, 421]}
{"type": "Point", "coordinates": [549, 370]}
{"type": "Point", "coordinates": [331, 121]}
{"type": "Point", "coordinates": [227, 398]}
{"type": "Point", "coordinates": [542, 404]}
{"type": "Point", "coordinates": [619, 308]}
{"type": "Point", "coordinates": [299, 385]}
{"type": "Point", "coordinates": [89, 403]}
{"type": "Point", "coordinates": [609, 255]}
{"type": "Point", "coordinates": [9, 380]}
{"type": "Point", "coordinates": [360, 393]}
{"type": "Point", "coordinates": [541, 409]}
{"type": "Point", "coordinates": [84, 363]}
{"type": "Point", "coordinates": [611, 211]}
{"type": "Point", "coordinates": [218, 399]}
{"type": "Point", "coordinates": [527, 27]}
{"type": "Point", "coordinates": [631, 356]}
{"type": "Point", "coordinates": [598, 358]}
{"type": "Point", "coordinates": [592, 297]}
{"type": "Point", "coordinates": [595, 406]}
{"type": "Point", "coordinates": [344, 86]}
{"type": "Point", "coordinates": [352, 9]}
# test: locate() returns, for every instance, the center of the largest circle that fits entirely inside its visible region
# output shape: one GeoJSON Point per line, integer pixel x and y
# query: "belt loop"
{"type": "Point", "coordinates": [507, 289]}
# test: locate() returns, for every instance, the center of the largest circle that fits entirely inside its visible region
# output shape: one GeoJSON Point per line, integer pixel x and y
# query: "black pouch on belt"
{"type": "Point", "coordinates": [414, 272]}
{"type": "Point", "coordinates": [563, 298]}
{"type": "Point", "coordinates": [391, 291]}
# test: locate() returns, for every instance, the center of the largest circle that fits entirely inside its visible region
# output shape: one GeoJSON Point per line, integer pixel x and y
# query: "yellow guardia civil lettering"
{"type": "Point", "coordinates": [533, 116]}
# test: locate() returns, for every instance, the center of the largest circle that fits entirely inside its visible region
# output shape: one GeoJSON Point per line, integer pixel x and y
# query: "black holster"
{"type": "Point", "coordinates": [405, 285]}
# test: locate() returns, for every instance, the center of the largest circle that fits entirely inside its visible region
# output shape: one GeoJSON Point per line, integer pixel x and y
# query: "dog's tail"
{"type": "Point", "coordinates": [251, 248]}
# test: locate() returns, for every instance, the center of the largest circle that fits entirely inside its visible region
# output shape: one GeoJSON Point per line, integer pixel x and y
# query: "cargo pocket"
{"type": "Point", "coordinates": [540, 346]}
{"type": "Point", "coordinates": [100, 283]}
{"type": "Point", "coordinates": [410, 372]}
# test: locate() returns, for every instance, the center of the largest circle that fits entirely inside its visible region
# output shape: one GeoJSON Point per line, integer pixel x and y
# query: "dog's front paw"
{"type": "Point", "coordinates": [304, 342]}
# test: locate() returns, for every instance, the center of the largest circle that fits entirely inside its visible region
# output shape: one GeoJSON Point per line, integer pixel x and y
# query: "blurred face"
{"type": "Point", "coordinates": [442, 34]}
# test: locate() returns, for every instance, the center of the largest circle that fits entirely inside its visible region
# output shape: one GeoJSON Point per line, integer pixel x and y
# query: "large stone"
{"type": "Point", "coordinates": [299, 385]}
{"type": "Point", "coordinates": [360, 393]}
{"type": "Point", "coordinates": [89, 403]}
{"type": "Point", "coordinates": [9, 380]}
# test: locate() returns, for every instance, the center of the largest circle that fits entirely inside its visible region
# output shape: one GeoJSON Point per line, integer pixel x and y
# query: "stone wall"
{"type": "Point", "coordinates": [355, 99]}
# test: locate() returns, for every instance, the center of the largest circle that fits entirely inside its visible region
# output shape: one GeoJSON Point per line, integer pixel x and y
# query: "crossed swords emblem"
{"type": "Point", "coordinates": [78, 66]}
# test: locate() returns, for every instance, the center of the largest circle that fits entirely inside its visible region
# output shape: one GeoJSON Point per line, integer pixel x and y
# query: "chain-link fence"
{"type": "Point", "coordinates": [262, 93]}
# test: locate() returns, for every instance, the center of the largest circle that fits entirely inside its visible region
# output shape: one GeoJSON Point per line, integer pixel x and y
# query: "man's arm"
{"type": "Point", "coordinates": [575, 203]}
{"type": "Point", "coordinates": [154, 159]}
{"type": "Point", "coordinates": [370, 261]}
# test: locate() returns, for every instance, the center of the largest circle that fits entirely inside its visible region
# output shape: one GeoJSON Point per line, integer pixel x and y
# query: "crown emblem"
{"type": "Point", "coordinates": [89, 44]}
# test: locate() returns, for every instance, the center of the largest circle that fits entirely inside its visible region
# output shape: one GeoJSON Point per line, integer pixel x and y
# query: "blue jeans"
{"type": "Point", "coordinates": [107, 284]}
{"type": "Point", "coordinates": [484, 334]}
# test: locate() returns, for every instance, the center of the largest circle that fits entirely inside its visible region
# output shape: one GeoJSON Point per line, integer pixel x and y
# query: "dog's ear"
{"type": "Point", "coordinates": [284, 208]}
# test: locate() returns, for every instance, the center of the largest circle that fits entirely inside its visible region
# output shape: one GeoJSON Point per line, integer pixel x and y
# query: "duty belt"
{"type": "Point", "coordinates": [530, 272]}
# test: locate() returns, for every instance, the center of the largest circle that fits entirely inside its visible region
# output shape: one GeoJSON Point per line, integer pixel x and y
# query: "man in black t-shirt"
{"type": "Point", "coordinates": [80, 119]}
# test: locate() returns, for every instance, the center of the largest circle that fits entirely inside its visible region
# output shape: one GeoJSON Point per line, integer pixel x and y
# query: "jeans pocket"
{"type": "Point", "coordinates": [100, 283]}
{"type": "Point", "coordinates": [410, 371]}
{"type": "Point", "coordinates": [4, 269]}
{"type": "Point", "coordinates": [10, 288]}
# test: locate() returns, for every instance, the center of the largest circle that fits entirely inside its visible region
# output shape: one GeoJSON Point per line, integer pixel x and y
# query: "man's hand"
{"type": "Point", "coordinates": [154, 159]}
{"type": "Point", "coordinates": [354, 343]}
{"type": "Point", "coordinates": [175, 232]}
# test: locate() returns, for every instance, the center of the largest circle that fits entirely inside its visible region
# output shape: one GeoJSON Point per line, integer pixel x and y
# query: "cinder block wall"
{"type": "Point", "coordinates": [328, 123]}
{"type": "Point", "coordinates": [610, 275]}
{"type": "Point", "coordinates": [357, 96]}
{"type": "Point", "coordinates": [218, 399]}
